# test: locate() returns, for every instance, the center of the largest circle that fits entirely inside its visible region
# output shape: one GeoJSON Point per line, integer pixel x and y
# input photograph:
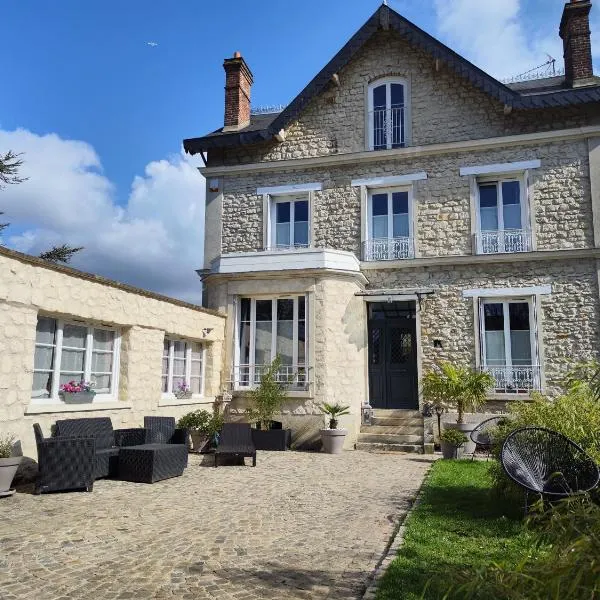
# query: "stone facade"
{"type": "Point", "coordinates": [451, 125]}
{"type": "Point", "coordinates": [29, 287]}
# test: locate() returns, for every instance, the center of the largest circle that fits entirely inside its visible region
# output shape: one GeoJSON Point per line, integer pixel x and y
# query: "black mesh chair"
{"type": "Point", "coordinates": [482, 435]}
{"type": "Point", "coordinates": [547, 463]}
{"type": "Point", "coordinates": [64, 463]}
{"type": "Point", "coordinates": [162, 430]}
{"type": "Point", "coordinates": [236, 440]}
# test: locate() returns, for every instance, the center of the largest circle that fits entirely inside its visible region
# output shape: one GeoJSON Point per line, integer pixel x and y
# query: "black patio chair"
{"type": "Point", "coordinates": [547, 463]}
{"type": "Point", "coordinates": [482, 435]}
{"type": "Point", "coordinates": [162, 430]}
{"type": "Point", "coordinates": [64, 463]}
{"type": "Point", "coordinates": [236, 440]}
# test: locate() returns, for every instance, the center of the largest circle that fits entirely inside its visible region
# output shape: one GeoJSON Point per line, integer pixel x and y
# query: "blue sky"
{"type": "Point", "coordinates": [119, 108]}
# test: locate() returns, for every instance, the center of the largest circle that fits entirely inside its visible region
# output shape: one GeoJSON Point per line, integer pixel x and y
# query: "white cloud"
{"type": "Point", "coordinates": [155, 241]}
{"type": "Point", "coordinates": [498, 36]}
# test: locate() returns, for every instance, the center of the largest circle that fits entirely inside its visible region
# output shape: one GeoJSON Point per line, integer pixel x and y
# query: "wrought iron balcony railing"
{"type": "Point", "coordinates": [293, 377]}
{"type": "Point", "coordinates": [387, 128]}
{"type": "Point", "coordinates": [504, 242]}
{"type": "Point", "coordinates": [388, 249]}
{"type": "Point", "coordinates": [520, 379]}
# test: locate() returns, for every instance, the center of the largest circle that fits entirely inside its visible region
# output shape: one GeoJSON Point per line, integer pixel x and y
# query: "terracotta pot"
{"type": "Point", "coordinates": [8, 468]}
{"type": "Point", "coordinates": [333, 440]}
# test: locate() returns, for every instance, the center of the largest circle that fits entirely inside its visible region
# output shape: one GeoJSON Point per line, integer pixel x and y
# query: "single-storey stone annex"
{"type": "Point", "coordinates": [406, 208]}
{"type": "Point", "coordinates": [58, 324]}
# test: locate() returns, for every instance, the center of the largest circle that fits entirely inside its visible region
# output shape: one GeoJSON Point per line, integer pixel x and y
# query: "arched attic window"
{"type": "Point", "coordinates": [387, 113]}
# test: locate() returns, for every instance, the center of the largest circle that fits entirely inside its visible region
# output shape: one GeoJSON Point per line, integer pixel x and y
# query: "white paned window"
{"type": "Point", "coordinates": [508, 334]}
{"type": "Point", "coordinates": [269, 328]}
{"type": "Point", "coordinates": [502, 216]}
{"type": "Point", "coordinates": [290, 222]}
{"type": "Point", "coordinates": [390, 234]}
{"type": "Point", "coordinates": [182, 367]}
{"type": "Point", "coordinates": [68, 351]}
{"type": "Point", "coordinates": [387, 114]}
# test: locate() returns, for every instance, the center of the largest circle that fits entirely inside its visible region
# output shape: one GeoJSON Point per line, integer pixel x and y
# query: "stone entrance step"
{"type": "Point", "coordinates": [369, 447]}
{"type": "Point", "coordinates": [395, 438]}
{"type": "Point", "coordinates": [410, 429]}
{"type": "Point", "coordinates": [384, 412]}
{"type": "Point", "coordinates": [397, 421]}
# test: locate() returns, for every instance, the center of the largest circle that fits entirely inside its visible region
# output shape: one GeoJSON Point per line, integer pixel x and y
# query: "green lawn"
{"type": "Point", "coordinates": [459, 525]}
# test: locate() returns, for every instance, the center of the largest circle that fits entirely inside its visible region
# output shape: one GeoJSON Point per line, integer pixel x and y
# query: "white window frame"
{"type": "Point", "coordinates": [387, 81]}
{"type": "Point", "coordinates": [389, 191]}
{"type": "Point", "coordinates": [292, 199]}
{"type": "Point", "coordinates": [54, 396]}
{"type": "Point", "coordinates": [170, 393]}
{"type": "Point", "coordinates": [252, 365]}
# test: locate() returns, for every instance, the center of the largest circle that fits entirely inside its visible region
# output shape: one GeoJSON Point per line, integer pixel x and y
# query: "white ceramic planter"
{"type": "Point", "coordinates": [78, 397]}
{"type": "Point", "coordinates": [8, 468]}
{"type": "Point", "coordinates": [333, 440]}
{"type": "Point", "coordinates": [466, 428]}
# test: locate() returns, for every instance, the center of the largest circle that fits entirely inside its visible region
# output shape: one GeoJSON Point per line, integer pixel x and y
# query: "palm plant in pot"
{"type": "Point", "coordinates": [333, 438]}
{"type": "Point", "coordinates": [8, 464]}
{"type": "Point", "coordinates": [461, 388]}
{"type": "Point", "coordinates": [266, 400]}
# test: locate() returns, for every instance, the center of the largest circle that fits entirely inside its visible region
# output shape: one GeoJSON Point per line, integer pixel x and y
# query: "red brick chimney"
{"type": "Point", "coordinates": [238, 83]}
{"type": "Point", "coordinates": [577, 44]}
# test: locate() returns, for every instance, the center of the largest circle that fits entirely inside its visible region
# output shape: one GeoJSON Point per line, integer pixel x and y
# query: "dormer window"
{"type": "Point", "coordinates": [387, 114]}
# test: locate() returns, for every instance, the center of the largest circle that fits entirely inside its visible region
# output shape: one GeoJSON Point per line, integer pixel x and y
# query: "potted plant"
{"type": "Point", "coordinates": [74, 392]}
{"type": "Point", "coordinates": [8, 465]}
{"type": "Point", "coordinates": [266, 400]}
{"type": "Point", "coordinates": [461, 388]}
{"type": "Point", "coordinates": [203, 427]}
{"type": "Point", "coordinates": [453, 443]}
{"type": "Point", "coordinates": [333, 438]}
{"type": "Point", "coordinates": [183, 391]}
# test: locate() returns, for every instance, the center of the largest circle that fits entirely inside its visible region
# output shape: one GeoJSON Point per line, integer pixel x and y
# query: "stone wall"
{"type": "Point", "coordinates": [29, 286]}
{"type": "Point", "coordinates": [444, 107]}
{"type": "Point", "coordinates": [560, 198]}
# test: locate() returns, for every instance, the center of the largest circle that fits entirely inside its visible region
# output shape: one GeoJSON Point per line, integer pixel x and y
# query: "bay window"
{"type": "Point", "coordinates": [70, 351]}
{"type": "Point", "coordinates": [268, 328]}
{"type": "Point", "coordinates": [509, 343]}
{"type": "Point", "coordinates": [390, 233]}
{"type": "Point", "coordinates": [182, 368]}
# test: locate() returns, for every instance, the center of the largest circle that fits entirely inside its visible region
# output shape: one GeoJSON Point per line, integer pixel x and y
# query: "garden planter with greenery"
{"type": "Point", "coordinates": [460, 388]}
{"type": "Point", "coordinates": [453, 443]}
{"type": "Point", "coordinates": [8, 465]}
{"type": "Point", "coordinates": [203, 428]}
{"type": "Point", "coordinates": [333, 438]}
{"type": "Point", "coordinates": [266, 401]}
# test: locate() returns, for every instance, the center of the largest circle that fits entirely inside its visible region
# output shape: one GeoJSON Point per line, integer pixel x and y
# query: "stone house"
{"type": "Point", "coordinates": [404, 209]}
{"type": "Point", "coordinates": [58, 324]}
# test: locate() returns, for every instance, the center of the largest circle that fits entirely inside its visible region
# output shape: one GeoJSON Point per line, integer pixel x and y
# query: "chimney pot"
{"type": "Point", "coordinates": [577, 44]}
{"type": "Point", "coordinates": [237, 54]}
{"type": "Point", "coordinates": [238, 84]}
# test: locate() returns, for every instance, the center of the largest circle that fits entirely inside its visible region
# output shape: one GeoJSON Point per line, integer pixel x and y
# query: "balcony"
{"type": "Point", "coordinates": [387, 128]}
{"type": "Point", "coordinates": [521, 379]}
{"type": "Point", "coordinates": [504, 242]}
{"type": "Point", "coordinates": [388, 249]}
{"type": "Point", "coordinates": [292, 377]}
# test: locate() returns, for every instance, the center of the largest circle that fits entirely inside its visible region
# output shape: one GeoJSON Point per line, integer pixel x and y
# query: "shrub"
{"type": "Point", "coordinates": [454, 437]}
{"type": "Point", "coordinates": [566, 568]}
{"type": "Point", "coordinates": [268, 397]}
{"type": "Point", "coordinates": [197, 419]}
{"type": "Point", "coordinates": [6, 445]}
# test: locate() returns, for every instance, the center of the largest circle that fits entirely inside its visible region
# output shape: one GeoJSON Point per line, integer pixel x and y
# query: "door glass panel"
{"type": "Point", "coordinates": [397, 93]}
{"type": "Point", "coordinates": [488, 207]}
{"type": "Point", "coordinates": [511, 200]}
{"type": "Point", "coordinates": [285, 330]}
{"type": "Point", "coordinates": [380, 216]}
{"type": "Point", "coordinates": [301, 223]}
{"type": "Point", "coordinates": [245, 331]}
{"type": "Point", "coordinates": [282, 227]}
{"type": "Point", "coordinates": [264, 328]}
{"type": "Point", "coordinates": [379, 97]}
{"type": "Point", "coordinates": [494, 334]}
{"type": "Point", "coordinates": [400, 345]}
{"type": "Point", "coordinates": [375, 346]}
{"type": "Point", "coordinates": [397, 114]}
{"type": "Point", "coordinates": [400, 212]}
{"type": "Point", "coordinates": [520, 334]}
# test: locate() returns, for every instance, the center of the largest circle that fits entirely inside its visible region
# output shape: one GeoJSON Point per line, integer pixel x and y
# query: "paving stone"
{"type": "Point", "coordinates": [297, 526]}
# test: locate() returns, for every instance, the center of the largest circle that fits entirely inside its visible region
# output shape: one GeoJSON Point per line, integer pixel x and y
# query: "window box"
{"type": "Point", "coordinates": [77, 397]}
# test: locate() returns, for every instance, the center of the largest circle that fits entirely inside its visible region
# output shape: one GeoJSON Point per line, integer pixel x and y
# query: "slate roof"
{"type": "Point", "coordinates": [519, 95]}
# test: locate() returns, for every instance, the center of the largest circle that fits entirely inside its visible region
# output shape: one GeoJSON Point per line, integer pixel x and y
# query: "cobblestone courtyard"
{"type": "Point", "coordinates": [299, 525]}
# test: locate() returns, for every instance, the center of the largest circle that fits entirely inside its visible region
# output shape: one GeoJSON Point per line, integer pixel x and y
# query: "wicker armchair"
{"type": "Point", "coordinates": [482, 435]}
{"type": "Point", "coordinates": [162, 430]}
{"type": "Point", "coordinates": [547, 463]}
{"type": "Point", "coordinates": [64, 463]}
{"type": "Point", "coordinates": [236, 440]}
